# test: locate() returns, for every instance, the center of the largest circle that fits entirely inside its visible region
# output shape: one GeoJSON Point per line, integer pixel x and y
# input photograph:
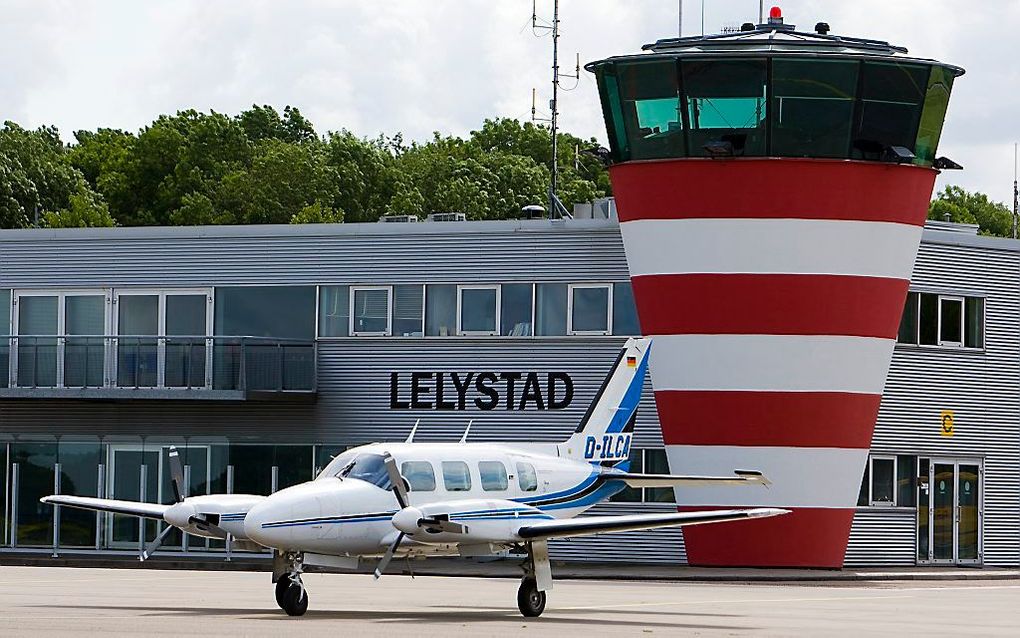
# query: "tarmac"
{"type": "Point", "coordinates": [86, 601]}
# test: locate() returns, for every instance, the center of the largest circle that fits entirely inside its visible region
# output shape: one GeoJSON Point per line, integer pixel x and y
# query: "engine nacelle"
{"type": "Point", "coordinates": [480, 520]}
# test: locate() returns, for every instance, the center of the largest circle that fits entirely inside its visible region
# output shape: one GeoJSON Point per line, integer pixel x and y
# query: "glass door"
{"type": "Point", "coordinates": [949, 512]}
{"type": "Point", "coordinates": [125, 481]}
{"type": "Point", "coordinates": [60, 338]}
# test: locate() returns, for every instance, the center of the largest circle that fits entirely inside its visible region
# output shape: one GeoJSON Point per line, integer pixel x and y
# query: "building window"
{"type": "Point", "coordinates": [889, 481]}
{"type": "Point", "coordinates": [419, 475]}
{"type": "Point", "coordinates": [493, 475]}
{"type": "Point", "coordinates": [334, 311]}
{"type": "Point", "coordinates": [550, 310]}
{"type": "Point", "coordinates": [370, 310]}
{"type": "Point", "coordinates": [625, 319]}
{"type": "Point", "coordinates": [456, 476]}
{"type": "Point", "coordinates": [440, 310]}
{"type": "Point", "coordinates": [950, 321]}
{"type": "Point", "coordinates": [527, 479]}
{"type": "Point", "coordinates": [281, 312]}
{"type": "Point", "coordinates": [478, 310]}
{"type": "Point", "coordinates": [589, 309]}
{"type": "Point", "coordinates": [647, 461]}
{"type": "Point", "coordinates": [408, 310]}
{"type": "Point", "coordinates": [516, 303]}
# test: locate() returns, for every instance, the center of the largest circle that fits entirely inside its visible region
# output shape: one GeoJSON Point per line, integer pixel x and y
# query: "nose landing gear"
{"type": "Point", "coordinates": [290, 590]}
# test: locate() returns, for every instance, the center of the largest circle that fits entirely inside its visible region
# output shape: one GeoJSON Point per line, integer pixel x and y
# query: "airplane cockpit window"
{"type": "Point", "coordinates": [419, 475]}
{"type": "Point", "coordinates": [338, 463]}
{"type": "Point", "coordinates": [493, 474]}
{"type": "Point", "coordinates": [368, 467]}
{"type": "Point", "coordinates": [526, 477]}
{"type": "Point", "coordinates": [456, 476]}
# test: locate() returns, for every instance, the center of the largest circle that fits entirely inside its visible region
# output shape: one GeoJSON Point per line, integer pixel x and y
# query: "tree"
{"type": "Point", "coordinates": [85, 209]}
{"type": "Point", "coordinates": [318, 214]}
{"type": "Point", "coordinates": [961, 206]}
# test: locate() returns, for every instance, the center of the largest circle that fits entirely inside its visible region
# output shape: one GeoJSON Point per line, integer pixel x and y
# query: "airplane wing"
{"type": "Point", "coordinates": [131, 508]}
{"type": "Point", "coordinates": [603, 524]}
{"type": "Point", "coordinates": [740, 477]}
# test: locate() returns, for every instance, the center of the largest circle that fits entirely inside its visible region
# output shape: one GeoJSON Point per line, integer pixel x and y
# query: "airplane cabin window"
{"type": "Point", "coordinates": [419, 475]}
{"type": "Point", "coordinates": [456, 476]}
{"type": "Point", "coordinates": [493, 475]}
{"type": "Point", "coordinates": [526, 477]}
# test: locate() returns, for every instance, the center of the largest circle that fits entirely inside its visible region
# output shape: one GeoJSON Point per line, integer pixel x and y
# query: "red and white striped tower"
{"type": "Point", "coordinates": [772, 285]}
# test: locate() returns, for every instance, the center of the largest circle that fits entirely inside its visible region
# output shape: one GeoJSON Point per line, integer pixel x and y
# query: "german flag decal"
{"type": "Point", "coordinates": [631, 362]}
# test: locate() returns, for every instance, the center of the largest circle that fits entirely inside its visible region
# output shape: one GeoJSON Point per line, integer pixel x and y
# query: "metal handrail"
{"type": "Point", "coordinates": [194, 362]}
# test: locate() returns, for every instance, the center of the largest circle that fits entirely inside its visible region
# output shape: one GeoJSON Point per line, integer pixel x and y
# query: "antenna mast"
{"type": "Point", "coordinates": [1016, 209]}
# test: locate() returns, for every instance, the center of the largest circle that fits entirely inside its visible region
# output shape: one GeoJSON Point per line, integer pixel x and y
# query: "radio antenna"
{"type": "Point", "coordinates": [1016, 199]}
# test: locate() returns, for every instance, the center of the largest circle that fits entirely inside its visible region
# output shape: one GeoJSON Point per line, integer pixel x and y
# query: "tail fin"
{"type": "Point", "coordinates": [603, 436]}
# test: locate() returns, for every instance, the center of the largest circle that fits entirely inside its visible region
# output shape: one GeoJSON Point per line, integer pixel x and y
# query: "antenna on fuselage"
{"type": "Point", "coordinates": [463, 439]}
{"type": "Point", "coordinates": [410, 437]}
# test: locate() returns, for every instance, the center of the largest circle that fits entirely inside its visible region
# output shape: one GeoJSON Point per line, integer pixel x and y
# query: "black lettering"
{"type": "Point", "coordinates": [418, 388]}
{"type": "Point", "coordinates": [462, 387]}
{"type": "Point", "coordinates": [395, 402]}
{"type": "Point", "coordinates": [568, 387]}
{"type": "Point", "coordinates": [510, 378]}
{"type": "Point", "coordinates": [440, 403]}
{"type": "Point", "coordinates": [532, 392]}
{"type": "Point", "coordinates": [483, 383]}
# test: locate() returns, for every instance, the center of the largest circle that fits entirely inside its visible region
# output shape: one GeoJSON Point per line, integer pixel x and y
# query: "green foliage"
{"type": "Point", "coordinates": [196, 168]}
{"type": "Point", "coordinates": [961, 206]}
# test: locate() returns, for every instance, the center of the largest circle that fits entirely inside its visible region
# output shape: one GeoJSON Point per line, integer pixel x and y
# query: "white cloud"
{"type": "Point", "coordinates": [422, 65]}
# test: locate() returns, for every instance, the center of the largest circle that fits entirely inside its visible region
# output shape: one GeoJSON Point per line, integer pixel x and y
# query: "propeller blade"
{"type": "Point", "coordinates": [399, 490]}
{"type": "Point", "coordinates": [176, 474]}
{"type": "Point", "coordinates": [206, 526]}
{"type": "Point", "coordinates": [154, 545]}
{"type": "Point", "coordinates": [388, 556]}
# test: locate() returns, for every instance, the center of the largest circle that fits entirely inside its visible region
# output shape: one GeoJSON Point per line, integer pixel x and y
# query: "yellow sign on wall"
{"type": "Point", "coordinates": [947, 423]}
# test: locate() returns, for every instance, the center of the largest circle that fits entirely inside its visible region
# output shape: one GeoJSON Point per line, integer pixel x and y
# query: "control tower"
{"type": "Point", "coordinates": [772, 186]}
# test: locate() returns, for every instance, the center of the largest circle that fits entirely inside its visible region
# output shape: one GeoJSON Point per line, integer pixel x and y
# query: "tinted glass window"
{"type": "Point", "coordinates": [334, 311]}
{"type": "Point", "coordinates": [284, 312]}
{"type": "Point", "coordinates": [408, 306]}
{"type": "Point", "coordinates": [656, 463]}
{"type": "Point", "coordinates": [493, 475]}
{"type": "Point", "coordinates": [908, 324]}
{"type": "Point", "coordinates": [890, 107]}
{"type": "Point", "coordinates": [527, 479]}
{"type": "Point", "coordinates": [631, 494]}
{"type": "Point", "coordinates": [5, 313]}
{"type": "Point", "coordinates": [812, 107]}
{"type": "Point", "coordinates": [370, 468]}
{"type": "Point", "coordinates": [550, 309]}
{"type": "Point", "coordinates": [625, 319]}
{"type": "Point", "coordinates": [651, 109]}
{"type": "Point", "coordinates": [419, 474]}
{"type": "Point", "coordinates": [725, 103]}
{"type": "Point", "coordinates": [974, 323]}
{"type": "Point", "coordinates": [613, 113]}
{"type": "Point", "coordinates": [84, 357]}
{"type": "Point", "coordinates": [933, 115]}
{"type": "Point", "coordinates": [440, 310]}
{"type": "Point", "coordinates": [515, 314]}
{"type": "Point", "coordinates": [478, 310]}
{"type": "Point", "coordinates": [929, 319]}
{"type": "Point", "coordinates": [589, 310]}
{"type": "Point", "coordinates": [882, 480]}
{"type": "Point", "coordinates": [456, 476]}
{"type": "Point", "coordinates": [371, 310]}
{"type": "Point", "coordinates": [951, 321]}
{"type": "Point", "coordinates": [906, 481]}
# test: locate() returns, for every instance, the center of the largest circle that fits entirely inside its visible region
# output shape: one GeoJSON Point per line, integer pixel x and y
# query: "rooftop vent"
{"type": "Point", "coordinates": [448, 217]}
{"type": "Point", "coordinates": [407, 219]}
{"type": "Point", "coordinates": [533, 211]}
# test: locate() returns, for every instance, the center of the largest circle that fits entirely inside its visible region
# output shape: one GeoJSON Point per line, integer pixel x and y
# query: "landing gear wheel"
{"type": "Point", "coordinates": [281, 588]}
{"type": "Point", "coordinates": [530, 601]}
{"type": "Point", "coordinates": [293, 599]}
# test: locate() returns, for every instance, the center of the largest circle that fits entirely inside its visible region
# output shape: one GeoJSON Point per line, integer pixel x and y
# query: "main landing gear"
{"type": "Point", "coordinates": [531, 595]}
{"type": "Point", "coordinates": [290, 590]}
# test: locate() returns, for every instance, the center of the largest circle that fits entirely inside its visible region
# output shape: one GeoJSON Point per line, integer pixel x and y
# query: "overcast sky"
{"type": "Point", "coordinates": [419, 66]}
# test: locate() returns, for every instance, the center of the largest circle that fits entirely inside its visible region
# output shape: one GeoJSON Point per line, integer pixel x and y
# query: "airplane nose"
{"type": "Point", "coordinates": [253, 521]}
{"type": "Point", "coordinates": [283, 518]}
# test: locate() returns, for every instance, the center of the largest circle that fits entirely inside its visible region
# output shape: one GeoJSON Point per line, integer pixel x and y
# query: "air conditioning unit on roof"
{"type": "Point", "coordinates": [408, 219]}
{"type": "Point", "coordinates": [448, 217]}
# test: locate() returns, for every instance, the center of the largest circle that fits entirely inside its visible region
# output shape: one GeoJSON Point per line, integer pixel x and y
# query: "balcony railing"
{"type": "Point", "coordinates": [162, 366]}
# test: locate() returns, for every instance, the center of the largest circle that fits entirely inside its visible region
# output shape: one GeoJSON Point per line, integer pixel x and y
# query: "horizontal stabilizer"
{"type": "Point", "coordinates": [740, 477]}
{"type": "Point", "coordinates": [129, 508]}
{"type": "Point", "coordinates": [628, 523]}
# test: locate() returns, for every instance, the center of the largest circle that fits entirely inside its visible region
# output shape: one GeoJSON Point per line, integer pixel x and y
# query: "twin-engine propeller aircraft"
{"type": "Point", "coordinates": [427, 499]}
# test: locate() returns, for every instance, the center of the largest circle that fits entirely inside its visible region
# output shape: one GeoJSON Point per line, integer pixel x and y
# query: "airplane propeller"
{"type": "Point", "coordinates": [180, 511]}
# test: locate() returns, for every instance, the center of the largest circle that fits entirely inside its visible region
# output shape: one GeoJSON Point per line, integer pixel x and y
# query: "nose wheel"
{"type": "Point", "coordinates": [290, 589]}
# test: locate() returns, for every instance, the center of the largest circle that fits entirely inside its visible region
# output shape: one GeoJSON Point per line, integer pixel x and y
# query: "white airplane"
{"type": "Point", "coordinates": [427, 499]}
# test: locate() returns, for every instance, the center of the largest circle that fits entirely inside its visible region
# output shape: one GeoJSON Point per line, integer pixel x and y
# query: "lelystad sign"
{"type": "Point", "coordinates": [480, 390]}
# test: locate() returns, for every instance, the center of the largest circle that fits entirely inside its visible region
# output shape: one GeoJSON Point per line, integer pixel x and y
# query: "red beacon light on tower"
{"type": "Point", "coordinates": [775, 15]}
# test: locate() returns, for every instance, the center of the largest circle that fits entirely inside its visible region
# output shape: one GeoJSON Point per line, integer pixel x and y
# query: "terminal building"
{"type": "Point", "coordinates": [261, 351]}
